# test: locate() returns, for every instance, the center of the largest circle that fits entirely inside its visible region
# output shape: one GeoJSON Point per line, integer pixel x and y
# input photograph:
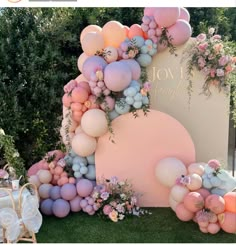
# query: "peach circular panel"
{"type": "Point", "coordinates": [139, 144]}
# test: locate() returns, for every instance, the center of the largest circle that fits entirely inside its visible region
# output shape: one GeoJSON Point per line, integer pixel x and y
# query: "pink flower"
{"type": "Point", "coordinates": [107, 209]}
{"type": "Point", "coordinates": [131, 53]}
{"type": "Point", "coordinates": [228, 68]}
{"type": "Point", "coordinates": [216, 37]}
{"type": "Point", "coordinates": [113, 215]}
{"type": "Point", "coordinates": [201, 37]}
{"type": "Point", "coordinates": [215, 164]}
{"type": "Point", "coordinates": [202, 47]}
{"type": "Point", "coordinates": [133, 201]}
{"type": "Point", "coordinates": [113, 204]}
{"type": "Point", "coordinates": [224, 60]}
{"type": "Point", "coordinates": [105, 195]}
{"type": "Point", "coordinates": [206, 71]}
{"type": "Point", "coordinates": [147, 86]}
{"type": "Point", "coordinates": [213, 73]}
{"type": "Point", "coordinates": [211, 57]}
{"type": "Point", "coordinates": [218, 47]}
{"type": "Point", "coordinates": [120, 208]}
{"type": "Point", "coordinates": [201, 62]}
{"type": "Point", "coordinates": [183, 180]}
{"type": "Point", "coordinates": [220, 72]}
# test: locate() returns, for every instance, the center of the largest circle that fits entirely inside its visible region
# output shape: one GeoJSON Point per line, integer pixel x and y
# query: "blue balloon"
{"type": "Point", "coordinates": [79, 159]}
{"type": "Point", "coordinates": [122, 107]}
{"type": "Point", "coordinates": [138, 41]}
{"type": "Point", "coordinates": [91, 158]}
{"type": "Point", "coordinates": [113, 114]}
{"type": "Point", "coordinates": [144, 60]}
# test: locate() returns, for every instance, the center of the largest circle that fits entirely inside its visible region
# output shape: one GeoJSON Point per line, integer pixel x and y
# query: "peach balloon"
{"type": "Point", "coordinates": [173, 204]}
{"type": "Point", "coordinates": [178, 192]}
{"type": "Point", "coordinates": [114, 33]}
{"type": "Point", "coordinates": [195, 182]}
{"type": "Point", "coordinates": [111, 54]}
{"type": "Point", "coordinates": [90, 127]}
{"type": "Point", "coordinates": [85, 85]}
{"type": "Point", "coordinates": [81, 78]}
{"type": "Point", "coordinates": [34, 179]}
{"type": "Point", "coordinates": [135, 30]}
{"type": "Point", "coordinates": [72, 126]}
{"type": "Point", "coordinates": [196, 168]}
{"type": "Point", "coordinates": [76, 115]}
{"type": "Point", "coordinates": [79, 94]}
{"type": "Point", "coordinates": [90, 28]}
{"type": "Point", "coordinates": [126, 30]}
{"type": "Point", "coordinates": [92, 43]}
{"type": "Point", "coordinates": [184, 14]}
{"type": "Point", "coordinates": [193, 201]}
{"type": "Point", "coordinates": [166, 17]}
{"type": "Point", "coordinates": [72, 180]}
{"type": "Point", "coordinates": [81, 61]}
{"type": "Point", "coordinates": [58, 170]}
{"type": "Point", "coordinates": [163, 173]}
{"type": "Point", "coordinates": [213, 228]}
{"type": "Point", "coordinates": [79, 130]}
{"type": "Point", "coordinates": [64, 180]}
{"type": "Point", "coordinates": [230, 202]}
{"type": "Point", "coordinates": [227, 221]}
{"type": "Point", "coordinates": [83, 144]}
{"type": "Point", "coordinates": [45, 176]}
{"type": "Point", "coordinates": [203, 229]}
{"type": "Point", "coordinates": [215, 203]}
{"type": "Point", "coordinates": [180, 32]}
{"type": "Point", "coordinates": [76, 106]}
{"type": "Point", "coordinates": [183, 213]}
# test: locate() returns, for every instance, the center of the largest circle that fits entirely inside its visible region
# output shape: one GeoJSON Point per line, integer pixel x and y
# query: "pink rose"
{"type": "Point", "coordinates": [215, 164]}
{"type": "Point", "coordinates": [114, 180]}
{"type": "Point", "coordinates": [201, 37]}
{"type": "Point", "coordinates": [224, 60]}
{"type": "Point", "coordinates": [213, 73]}
{"type": "Point", "coordinates": [202, 47]}
{"type": "Point", "coordinates": [220, 73]}
{"type": "Point", "coordinates": [201, 62]}
{"type": "Point", "coordinates": [107, 209]}
{"type": "Point", "coordinates": [216, 37]}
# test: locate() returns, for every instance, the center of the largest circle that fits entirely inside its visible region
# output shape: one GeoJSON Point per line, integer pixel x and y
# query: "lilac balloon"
{"type": "Point", "coordinates": [134, 67]}
{"type": "Point", "coordinates": [46, 206]}
{"type": "Point", "coordinates": [61, 208]}
{"type": "Point", "coordinates": [68, 191]}
{"type": "Point", "coordinates": [55, 192]}
{"type": "Point", "coordinates": [75, 204]}
{"type": "Point", "coordinates": [89, 208]}
{"type": "Point", "coordinates": [83, 203]}
{"type": "Point", "coordinates": [84, 187]}
{"type": "Point", "coordinates": [117, 76]}
{"type": "Point", "coordinates": [91, 65]}
{"type": "Point", "coordinates": [180, 32]}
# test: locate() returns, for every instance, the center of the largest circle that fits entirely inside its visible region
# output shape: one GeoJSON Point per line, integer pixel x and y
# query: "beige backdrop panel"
{"type": "Point", "coordinates": [206, 119]}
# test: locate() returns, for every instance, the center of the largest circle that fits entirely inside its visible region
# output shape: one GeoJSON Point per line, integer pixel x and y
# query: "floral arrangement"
{"type": "Point", "coordinates": [213, 59]}
{"type": "Point", "coordinates": [116, 199]}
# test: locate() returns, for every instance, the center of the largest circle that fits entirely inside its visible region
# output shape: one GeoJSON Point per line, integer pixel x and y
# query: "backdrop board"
{"type": "Point", "coordinates": [205, 118]}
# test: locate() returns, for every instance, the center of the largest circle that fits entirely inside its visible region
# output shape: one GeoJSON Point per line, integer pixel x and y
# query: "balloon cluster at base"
{"type": "Point", "coordinates": [202, 192]}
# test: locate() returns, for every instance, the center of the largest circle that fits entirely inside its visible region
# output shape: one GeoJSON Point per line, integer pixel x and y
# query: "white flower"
{"type": "Point", "coordinates": [123, 196]}
{"type": "Point", "coordinates": [16, 154]}
{"type": "Point", "coordinates": [121, 183]}
{"type": "Point", "coordinates": [105, 195]}
{"type": "Point", "coordinates": [211, 30]}
{"type": "Point", "coordinates": [95, 195]}
{"type": "Point", "coordinates": [121, 216]}
{"type": "Point", "coordinates": [2, 131]}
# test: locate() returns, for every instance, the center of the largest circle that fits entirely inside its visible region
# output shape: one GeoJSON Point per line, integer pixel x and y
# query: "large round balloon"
{"type": "Point", "coordinates": [68, 191]}
{"type": "Point", "coordinates": [84, 187]}
{"type": "Point", "coordinates": [83, 144]}
{"type": "Point", "coordinates": [114, 33]}
{"type": "Point", "coordinates": [94, 129]}
{"type": "Point", "coordinates": [44, 190]}
{"type": "Point", "coordinates": [46, 206]}
{"type": "Point", "coordinates": [61, 208]}
{"type": "Point", "coordinates": [55, 192]}
{"type": "Point", "coordinates": [184, 14]}
{"type": "Point", "coordinates": [168, 170]}
{"type": "Point", "coordinates": [90, 28]}
{"type": "Point", "coordinates": [44, 176]}
{"type": "Point", "coordinates": [180, 32]}
{"type": "Point", "coordinates": [134, 67]}
{"type": "Point", "coordinates": [117, 76]}
{"type": "Point", "coordinates": [166, 17]}
{"type": "Point", "coordinates": [91, 64]}
{"type": "Point", "coordinates": [149, 11]}
{"type": "Point", "coordinates": [92, 43]}
{"type": "Point", "coordinates": [75, 204]}
{"type": "Point", "coordinates": [135, 30]}
{"type": "Point", "coordinates": [81, 61]}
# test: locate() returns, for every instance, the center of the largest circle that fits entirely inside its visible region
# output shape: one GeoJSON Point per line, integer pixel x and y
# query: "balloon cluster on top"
{"type": "Point", "coordinates": [202, 192]}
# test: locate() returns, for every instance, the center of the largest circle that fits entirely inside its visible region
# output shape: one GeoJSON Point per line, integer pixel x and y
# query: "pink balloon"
{"type": "Point", "coordinates": [90, 28]}
{"type": "Point", "coordinates": [83, 144]}
{"type": "Point", "coordinates": [94, 129]}
{"type": "Point", "coordinates": [117, 76]}
{"type": "Point", "coordinates": [34, 179]}
{"type": "Point", "coordinates": [166, 17]}
{"type": "Point", "coordinates": [75, 204]}
{"type": "Point", "coordinates": [68, 191]}
{"type": "Point", "coordinates": [134, 67]}
{"type": "Point", "coordinates": [66, 100]}
{"type": "Point", "coordinates": [81, 61]}
{"type": "Point", "coordinates": [180, 32]}
{"type": "Point", "coordinates": [184, 14]}
{"type": "Point", "coordinates": [92, 43]}
{"type": "Point", "coordinates": [108, 104]}
{"type": "Point", "coordinates": [149, 11]}
{"type": "Point", "coordinates": [84, 187]}
{"type": "Point", "coordinates": [61, 208]}
{"type": "Point", "coordinates": [81, 78]}
{"type": "Point", "coordinates": [79, 94]}
{"type": "Point", "coordinates": [92, 64]}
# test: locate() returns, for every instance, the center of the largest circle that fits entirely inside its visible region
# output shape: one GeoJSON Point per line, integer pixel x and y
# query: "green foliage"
{"type": "Point", "coordinates": [11, 155]}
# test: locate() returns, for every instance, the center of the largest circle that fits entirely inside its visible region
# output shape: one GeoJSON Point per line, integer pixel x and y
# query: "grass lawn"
{"type": "Point", "coordinates": [161, 227]}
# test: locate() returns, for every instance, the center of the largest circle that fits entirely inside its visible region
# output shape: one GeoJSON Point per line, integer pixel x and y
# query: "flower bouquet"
{"type": "Point", "coordinates": [116, 199]}
{"type": "Point", "coordinates": [210, 56]}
